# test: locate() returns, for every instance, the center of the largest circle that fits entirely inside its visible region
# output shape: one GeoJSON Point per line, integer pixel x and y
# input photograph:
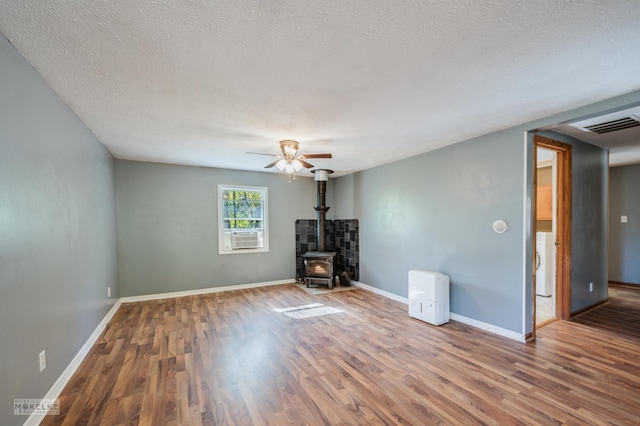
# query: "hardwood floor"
{"type": "Point", "coordinates": [241, 357]}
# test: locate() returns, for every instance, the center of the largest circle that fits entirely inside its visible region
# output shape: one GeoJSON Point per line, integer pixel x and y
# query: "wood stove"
{"type": "Point", "coordinates": [319, 265]}
{"type": "Point", "coordinates": [319, 268]}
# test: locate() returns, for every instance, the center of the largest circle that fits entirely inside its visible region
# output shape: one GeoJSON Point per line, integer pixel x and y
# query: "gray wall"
{"type": "Point", "coordinates": [168, 232]}
{"type": "Point", "coordinates": [57, 233]}
{"type": "Point", "coordinates": [435, 211]}
{"type": "Point", "coordinates": [624, 238]}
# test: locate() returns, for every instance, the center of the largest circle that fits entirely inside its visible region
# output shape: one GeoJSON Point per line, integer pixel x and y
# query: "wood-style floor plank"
{"type": "Point", "coordinates": [236, 358]}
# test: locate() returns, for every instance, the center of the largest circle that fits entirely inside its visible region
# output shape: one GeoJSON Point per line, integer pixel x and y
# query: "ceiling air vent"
{"type": "Point", "coordinates": [614, 125]}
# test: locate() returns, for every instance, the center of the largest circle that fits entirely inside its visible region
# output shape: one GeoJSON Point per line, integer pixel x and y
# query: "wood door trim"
{"type": "Point", "coordinates": [563, 227]}
{"type": "Point", "coordinates": [534, 232]}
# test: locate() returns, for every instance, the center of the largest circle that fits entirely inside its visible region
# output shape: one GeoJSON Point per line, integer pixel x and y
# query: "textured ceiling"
{"type": "Point", "coordinates": [202, 82]}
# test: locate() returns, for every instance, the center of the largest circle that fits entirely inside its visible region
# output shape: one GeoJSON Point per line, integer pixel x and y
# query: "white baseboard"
{"type": "Point", "coordinates": [488, 327]}
{"type": "Point", "coordinates": [382, 292]}
{"type": "Point", "coordinates": [469, 321]}
{"type": "Point", "coordinates": [146, 297]}
{"type": "Point", "coordinates": [58, 386]}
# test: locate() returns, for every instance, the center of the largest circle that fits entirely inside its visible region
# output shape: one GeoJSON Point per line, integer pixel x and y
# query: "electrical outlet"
{"type": "Point", "coordinates": [108, 291]}
{"type": "Point", "coordinates": [590, 287]}
{"type": "Point", "coordinates": [623, 219]}
{"type": "Point", "coordinates": [43, 360]}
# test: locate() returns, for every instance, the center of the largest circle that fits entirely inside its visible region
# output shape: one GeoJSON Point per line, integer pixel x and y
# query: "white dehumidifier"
{"type": "Point", "coordinates": [429, 296]}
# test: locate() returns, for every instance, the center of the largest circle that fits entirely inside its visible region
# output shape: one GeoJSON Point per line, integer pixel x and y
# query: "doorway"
{"type": "Point", "coordinates": [546, 222]}
{"type": "Point", "coordinates": [551, 231]}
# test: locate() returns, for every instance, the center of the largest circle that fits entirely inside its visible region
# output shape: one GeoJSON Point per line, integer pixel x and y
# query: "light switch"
{"type": "Point", "coordinates": [623, 219]}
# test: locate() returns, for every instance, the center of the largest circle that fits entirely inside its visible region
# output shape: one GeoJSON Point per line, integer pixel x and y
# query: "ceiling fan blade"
{"type": "Point", "coordinates": [316, 156]}
{"type": "Point", "coordinates": [304, 163]}
{"type": "Point", "coordinates": [262, 153]}
{"type": "Point", "coordinates": [268, 166]}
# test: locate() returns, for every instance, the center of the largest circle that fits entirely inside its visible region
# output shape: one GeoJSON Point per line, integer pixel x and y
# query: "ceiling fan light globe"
{"type": "Point", "coordinates": [297, 165]}
{"type": "Point", "coordinates": [281, 164]}
{"type": "Point", "coordinates": [289, 167]}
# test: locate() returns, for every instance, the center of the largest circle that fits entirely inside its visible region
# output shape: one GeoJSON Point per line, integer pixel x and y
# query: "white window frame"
{"type": "Point", "coordinates": [225, 235]}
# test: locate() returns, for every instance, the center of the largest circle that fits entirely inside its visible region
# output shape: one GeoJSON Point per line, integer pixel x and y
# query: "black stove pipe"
{"type": "Point", "coordinates": [322, 213]}
{"type": "Point", "coordinates": [322, 176]}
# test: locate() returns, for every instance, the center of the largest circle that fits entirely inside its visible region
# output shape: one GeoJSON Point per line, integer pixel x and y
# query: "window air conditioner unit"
{"type": "Point", "coordinates": [245, 240]}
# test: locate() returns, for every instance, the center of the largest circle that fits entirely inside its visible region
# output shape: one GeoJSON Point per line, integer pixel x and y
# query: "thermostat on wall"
{"type": "Point", "coordinates": [500, 226]}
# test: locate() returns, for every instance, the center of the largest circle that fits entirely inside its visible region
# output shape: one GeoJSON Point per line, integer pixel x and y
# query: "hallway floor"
{"type": "Point", "coordinates": [545, 311]}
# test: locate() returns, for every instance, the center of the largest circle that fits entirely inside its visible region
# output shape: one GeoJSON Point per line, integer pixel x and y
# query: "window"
{"type": "Point", "coordinates": [242, 213]}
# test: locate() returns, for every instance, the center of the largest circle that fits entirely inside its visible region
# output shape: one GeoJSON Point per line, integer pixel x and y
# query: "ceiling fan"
{"type": "Point", "coordinates": [289, 161]}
